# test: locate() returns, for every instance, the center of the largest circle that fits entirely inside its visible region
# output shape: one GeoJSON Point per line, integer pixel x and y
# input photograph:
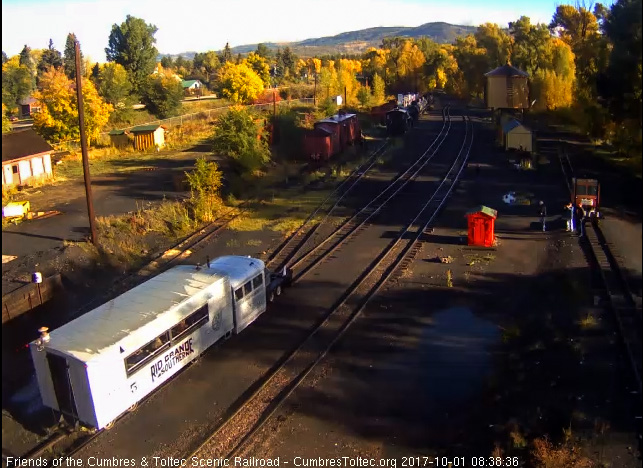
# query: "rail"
{"type": "Point", "coordinates": [229, 445]}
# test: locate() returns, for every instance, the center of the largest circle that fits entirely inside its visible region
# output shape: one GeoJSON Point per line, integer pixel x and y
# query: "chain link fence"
{"type": "Point", "coordinates": [207, 114]}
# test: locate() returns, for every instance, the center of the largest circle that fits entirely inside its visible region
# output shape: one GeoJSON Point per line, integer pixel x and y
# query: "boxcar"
{"type": "Point", "coordinates": [318, 143]}
{"type": "Point", "coordinates": [587, 192]}
{"type": "Point", "coordinates": [103, 363]}
{"type": "Point", "coordinates": [343, 130]}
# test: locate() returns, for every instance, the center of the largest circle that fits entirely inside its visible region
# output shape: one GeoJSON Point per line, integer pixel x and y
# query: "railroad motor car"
{"type": "Point", "coordinates": [587, 192]}
{"type": "Point", "coordinates": [398, 121]}
{"type": "Point", "coordinates": [100, 365]}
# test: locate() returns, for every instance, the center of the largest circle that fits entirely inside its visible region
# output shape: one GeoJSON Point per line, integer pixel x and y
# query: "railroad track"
{"type": "Point", "coordinates": [615, 290]}
{"type": "Point", "coordinates": [68, 440]}
{"type": "Point", "coordinates": [309, 260]}
{"type": "Point", "coordinates": [298, 241]}
{"type": "Point", "coordinates": [284, 252]}
{"type": "Point", "coordinates": [243, 422]}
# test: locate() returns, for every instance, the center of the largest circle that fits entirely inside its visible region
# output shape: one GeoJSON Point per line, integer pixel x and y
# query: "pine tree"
{"type": "Point", "coordinates": [227, 53]}
{"type": "Point", "coordinates": [69, 58]}
{"type": "Point", "coordinates": [50, 58]}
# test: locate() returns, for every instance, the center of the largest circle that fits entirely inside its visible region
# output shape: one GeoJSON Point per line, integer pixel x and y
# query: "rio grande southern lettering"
{"type": "Point", "coordinates": [175, 356]}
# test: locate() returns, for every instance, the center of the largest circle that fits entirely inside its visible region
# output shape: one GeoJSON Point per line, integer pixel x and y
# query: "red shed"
{"type": "Point", "coordinates": [481, 226]}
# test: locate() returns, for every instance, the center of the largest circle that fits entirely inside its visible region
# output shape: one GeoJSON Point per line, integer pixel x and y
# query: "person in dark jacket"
{"type": "Point", "coordinates": [580, 219]}
{"type": "Point", "coordinates": [543, 214]}
{"type": "Point", "coordinates": [571, 224]}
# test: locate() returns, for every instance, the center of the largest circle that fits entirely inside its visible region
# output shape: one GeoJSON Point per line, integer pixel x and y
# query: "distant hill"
{"type": "Point", "coordinates": [354, 42]}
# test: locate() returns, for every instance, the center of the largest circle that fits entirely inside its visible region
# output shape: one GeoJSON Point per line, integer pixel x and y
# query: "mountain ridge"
{"type": "Point", "coordinates": [354, 42]}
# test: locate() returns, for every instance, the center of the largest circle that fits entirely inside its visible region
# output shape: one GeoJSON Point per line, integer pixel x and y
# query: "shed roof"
{"type": "Point", "coordinates": [506, 70]}
{"type": "Point", "coordinates": [188, 83]}
{"type": "Point", "coordinates": [22, 143]}
{"type": "Point", "coordinates": [511, 125]}
{"type": "Point", "coordinates": [484, 210]}
{"type": "Point", "coordinates": [28, 100]}
{"type": "Point", "coordinates": [117, 132]}
{"type": "Point", "coordinates": [110, 323]}
{"type": "Point", "coordinates": [146, 128]}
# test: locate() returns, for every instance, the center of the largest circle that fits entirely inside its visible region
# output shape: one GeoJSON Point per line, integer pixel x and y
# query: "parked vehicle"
{"type": "Point", "coordinates": [587, 192]}
{"type": "Point", "coordinates": [398, 121]}
{"type": "Point", "coordinates": [96, 367]}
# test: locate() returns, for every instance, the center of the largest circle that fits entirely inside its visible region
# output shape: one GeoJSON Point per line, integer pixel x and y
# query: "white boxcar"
{"type": "Point", "coordinates": [101, 364]}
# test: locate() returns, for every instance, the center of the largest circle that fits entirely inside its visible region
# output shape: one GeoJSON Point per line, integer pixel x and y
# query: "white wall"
{"type": "Point", "coordinates": [24, 170]}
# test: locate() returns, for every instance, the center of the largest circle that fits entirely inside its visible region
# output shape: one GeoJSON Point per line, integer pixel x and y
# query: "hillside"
{"type": "Point", "coordinates": [354, 42]}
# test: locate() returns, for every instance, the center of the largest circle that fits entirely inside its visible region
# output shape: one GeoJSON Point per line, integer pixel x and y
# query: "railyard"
{"type": "Point", "coordinates": [451, 351]}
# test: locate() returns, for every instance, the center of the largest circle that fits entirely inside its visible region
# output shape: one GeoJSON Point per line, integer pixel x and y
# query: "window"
{"type": "Point", "coordinates": [143, 355]}
{"type": "Point", "coordinates": [14, 169]}
{"type": "Point", "coordinates": [190, 323]}
{"type": "Point", "coordinates": [257, 281]}
{"type": "Point", "coordinates": [581, 190]}
{"type": "Point", "coordinates": [238, 294]}
{"type": "Point", "coordinates": [247, 288]}
{"type": "Point", "coordinates": [592, 190]}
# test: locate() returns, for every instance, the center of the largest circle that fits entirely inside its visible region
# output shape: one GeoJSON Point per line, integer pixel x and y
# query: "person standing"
{"type": "Point", "coordinates": [580, 219]}
{"type": "Point", "coordinates": [571, 225]}
{"type": "Point", "coordinates": [543, 214]}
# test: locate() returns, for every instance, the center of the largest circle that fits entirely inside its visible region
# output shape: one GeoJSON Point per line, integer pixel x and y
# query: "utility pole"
{"type": "Point", "coordinates": [345, 100]}
{"type": "Point", "coordinates": [274, 104]}
{"type": "Point", "coordinates": [315, 92]}
{"type": "Point", "coordinates": [83, 147]}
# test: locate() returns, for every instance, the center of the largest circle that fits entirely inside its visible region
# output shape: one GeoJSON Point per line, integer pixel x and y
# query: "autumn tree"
{"type": "Point", "coordinates": [472, 62]}
{"type": "Point", "coordinates": [529, 44]}
{"type": "Point", "coordinates": [6, 124]}
{"type": "Point", "coordinates": [260, 66]}
{"type": "Point", "coordinates": [238, 136]}
{"type": "Point", "coordinates": [17, 83]}
{"type": "Point", "coordinates": [379, 93]}
{"type": "Point", "coordinates": [239, 83]}
{"type": "Point", "coordinates": [131, 44]}
{"type": "Point", "coordinates": [69, 58]}
{"type": "Point", "coordinates": [162, 95]}
{"type": "Point", "coordinates": [113, 84]}
{"type": "Point", "coordinates": [167, 62]}
{"type": "Point", "coordinates": [58, 116]}
{"type": "Point", "coordinates": [496, 42]}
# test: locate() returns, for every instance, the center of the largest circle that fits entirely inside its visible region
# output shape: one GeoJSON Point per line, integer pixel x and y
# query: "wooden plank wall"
{"type": "Point", "coordinates": [27, 297]}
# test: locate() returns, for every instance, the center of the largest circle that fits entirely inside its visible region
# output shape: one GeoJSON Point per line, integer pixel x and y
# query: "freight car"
{"type": "Point", "coordinates": [378, 113]}
{"type": "Point", "coordinates": [332, 135]}
{"type": "Point", "coordinates": [100, 365]}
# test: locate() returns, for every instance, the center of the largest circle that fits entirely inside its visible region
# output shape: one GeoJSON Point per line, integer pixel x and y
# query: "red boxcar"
{"type": "Point", "coordinates": [318, 144]}
{"type": "Point", "coordinates": [378, 113]}
{"type": "Point", "coordinates": [330, 136]}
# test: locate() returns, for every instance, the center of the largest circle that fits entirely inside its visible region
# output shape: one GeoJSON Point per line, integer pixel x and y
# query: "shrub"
{"type": "Point", "coordinates": [238, 136]}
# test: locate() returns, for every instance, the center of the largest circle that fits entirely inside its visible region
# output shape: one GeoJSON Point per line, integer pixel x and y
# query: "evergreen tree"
{"type": "Point", "coordinates": [25, 58]}
{"type": "Point", "coordinates": [227, 53]}
{"type": "Point", "coordinates": [50, 58]}
{"type": "Point", "coordinates": [263, 51]}
{"type": "Point", "coordinates": [131, 44]}
{"type": "Point", "coordinates": [69, 58]}
{"type": "Point", "coordinates": [4, 57]}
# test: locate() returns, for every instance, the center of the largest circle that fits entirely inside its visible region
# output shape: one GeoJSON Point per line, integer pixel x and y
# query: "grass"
{"type": "Point", "coordinates": [449, 279]}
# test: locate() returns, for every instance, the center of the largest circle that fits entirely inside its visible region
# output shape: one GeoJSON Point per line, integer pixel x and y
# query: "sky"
{"type": "Point", "coordinates": [203, 25]}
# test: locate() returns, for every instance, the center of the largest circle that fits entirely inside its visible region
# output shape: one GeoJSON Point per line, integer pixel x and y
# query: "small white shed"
{"type": "Point", "coordinates": [517, 136]}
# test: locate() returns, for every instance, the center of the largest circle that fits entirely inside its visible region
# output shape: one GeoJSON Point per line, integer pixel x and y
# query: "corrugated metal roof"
{"type": "Point", "coordinates": [112, 322]}
{"type": "Point", "coordinates": [484, 209]}
{"type": "Point", "coordinates": [506, 70]}
{"type": "Point", "coordinates": [188, 83]}
{"type": "Point", "coordinates": [117, 132]}
{"type": "Point", "coordinates": [145, 128]}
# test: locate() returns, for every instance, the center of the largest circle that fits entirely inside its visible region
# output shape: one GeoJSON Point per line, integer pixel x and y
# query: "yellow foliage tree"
{"type": "Point", "coordinates": [260, 66]}
{"type": "Point", "coordinates": [58, 116]}
{"type": "Point", "coordinates": [239, 83]}
{"type": "Point", "coordinates": [410, 60]}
